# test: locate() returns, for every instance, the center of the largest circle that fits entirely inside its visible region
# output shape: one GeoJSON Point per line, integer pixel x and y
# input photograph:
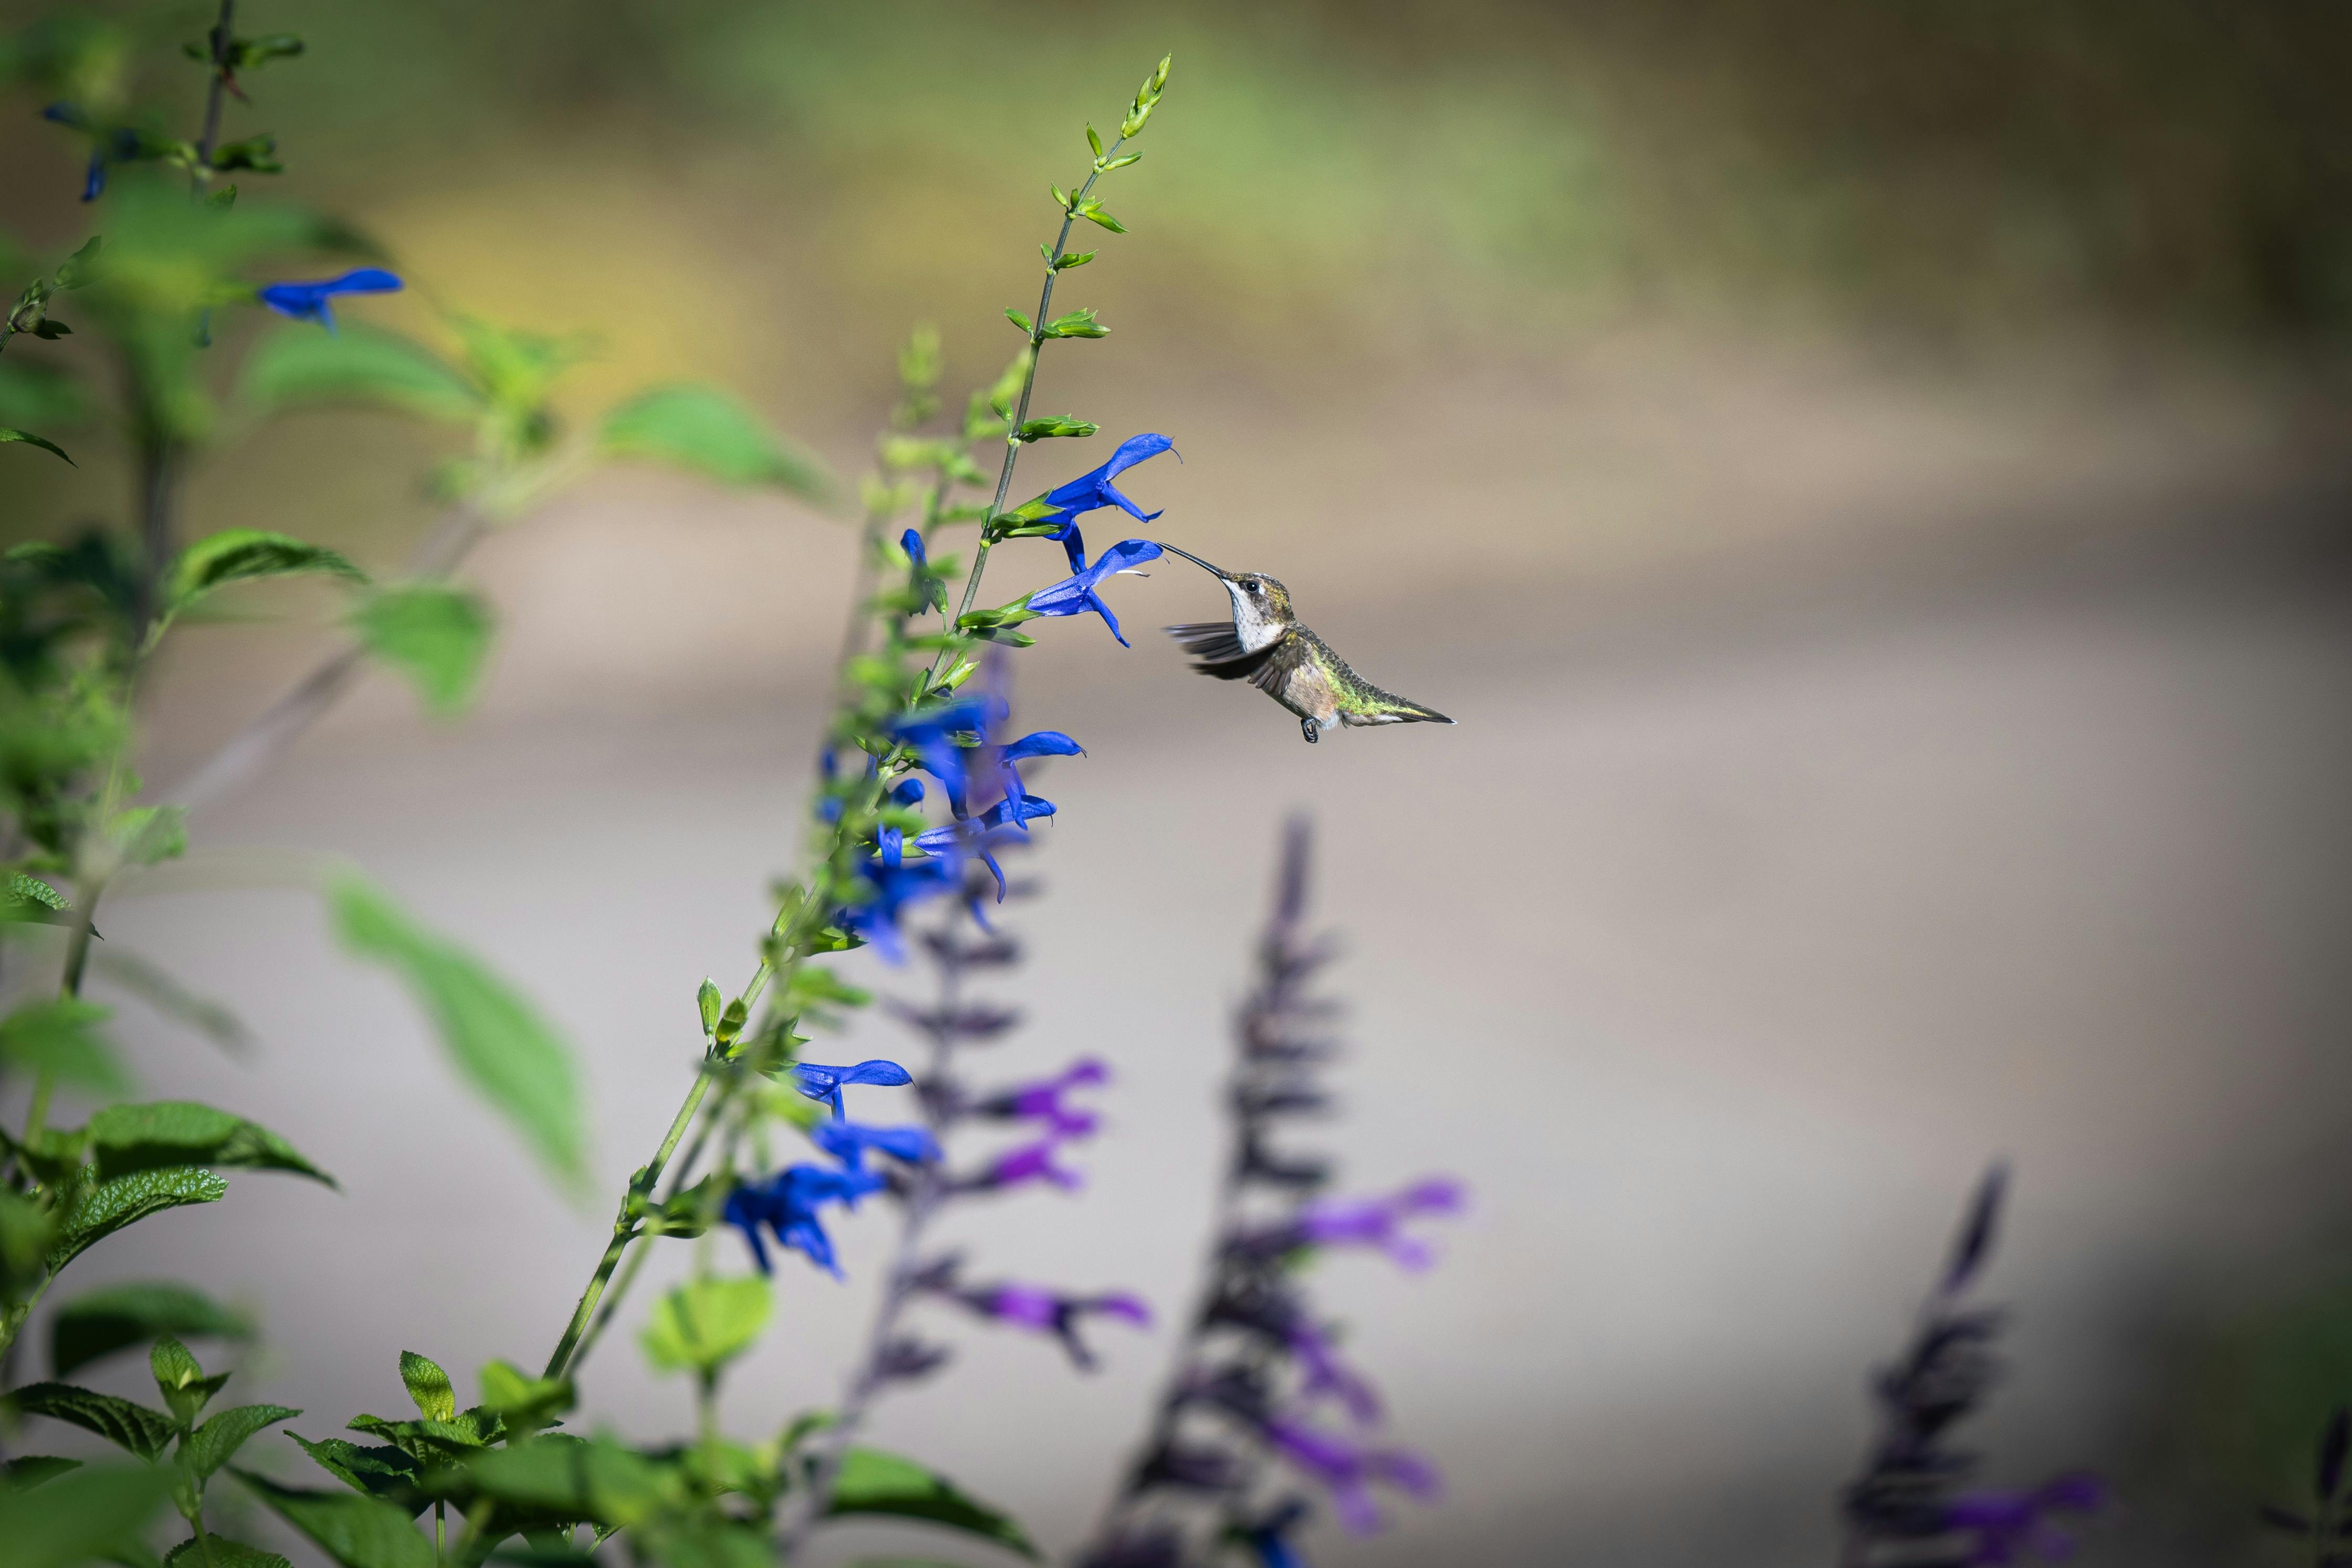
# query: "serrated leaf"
{"type": "Point", "coordinates": [215, 1443]}
{"type": "Point", "coordinates": [520, 1399]}
{"type": "Point", "coordinates": [304, 367]}
{"type": "Point", "coordinates": [95, 1511]}
{"type": "Point", "coordinates": [181, 1383]}
{"type": "Point", "coordinates": [117, 1317]}
{"type": "Point", "coordinates": [150, 834]}
{"type": "Point", "coordinates": [226, 1553]}
{"type": "Point", "coordinates": [386, 1472]}
{"type": "Point", "coordinates": [141, 1430]}
{"type": "Point", "coordinates": [30, 890]}
{"type": "Point", "coordinates": [10, 433]}
{"type": "Point", "coordinates": [873, 1482]}
{"type": "Point", "coordinates": [28, 1230]}
{"type": "Point", "coordinates": [109, 1205]}
{"type": "Point", "coordinates": [705, 431]}
{"type": "Point", "coordinates": [705, 1323]}
{"type": "Point", "coordinates": [428, 1387]}
{"type": "Point", "coordinates": [250, 555]}
{"type": "Point", "coordinates": [436, 636]}
{"type": "Point", "coordinates": [496, 1039]}
{"type": "Point", "coordinates": [597, 1480]}
{"type": "Point", "coordinates": [126, 1138]}
{"type": "Point", "coordinates": [61, 1037]}
{"type": "Point", "coordinates": [357, 1531]}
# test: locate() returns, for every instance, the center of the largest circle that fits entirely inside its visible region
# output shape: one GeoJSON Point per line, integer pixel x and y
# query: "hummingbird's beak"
{"type": "Point", "coordinates": [1212, 571]}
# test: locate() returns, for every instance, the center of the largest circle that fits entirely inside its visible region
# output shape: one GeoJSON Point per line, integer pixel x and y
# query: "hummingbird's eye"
{"type": "Point", "coordinates": [1251, 586]}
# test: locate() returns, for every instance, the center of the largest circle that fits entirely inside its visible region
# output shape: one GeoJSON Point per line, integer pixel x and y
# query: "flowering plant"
{"type": "Point", "coordinates": [922, 788]}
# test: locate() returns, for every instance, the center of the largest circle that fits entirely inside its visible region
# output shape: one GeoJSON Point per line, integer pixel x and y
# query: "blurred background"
{"type": "Point", "coordinates": [1869, 479]}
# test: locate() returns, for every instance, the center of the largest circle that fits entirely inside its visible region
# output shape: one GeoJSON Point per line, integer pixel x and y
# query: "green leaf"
{"type": "Point", "coordinates": [34, 394]}
{"type": "Point", "coordinates": [180, 1382]}
{"type": "Point", "coordinates": [149, 834]}
{"type": "Point", "coordinates": [1078, 323]}
{"type": "Point", "coordinates": [387, 1472]}
{"type": "Point", "coordinates": [707, 431]}
{"type": "Point", "coordinates": [117, 1317]}
{"type": "Point", "coordinates": [496, 1039]}
{"type": "Point", "coordinates": [226, 1553]}
{"type": "Point", "coordinates": [356, 1532]}
{"type": "Point", "coordinates": [871, 1481]}
{"type": "Point", "coordinates": [1068, 259]}
{"type": "Point", "coordinates": [428, 1387]}
{"type": "Point", "coordinates": [301, 366]}
{"type": "Point", "coordinates": [705, 1323]}
{"type": "Point", "coordinates": [28, 1230]}
{"type": "Point", "coordinates": [212, 1444]}
{"type": "Point", "coordinates": [246, 555]}
{"type": "Point", "coordinates": [108, 1206]}
{"type": "Point", "coordinates": [520, 1399]}
{"type": "Point", "coordinates": [30, 890]}
{"type": "Point", "coordinates": [1054, 426]}
{"type": "Point", "coordinates": [22, 1474]}
{"type": "Point", "coordinates": [10, 433]}
{"type": "Point", "coordinates": [1092, 211]}
{"type": "Point", "coordinates": [128, 1137]}
{"type": "Point", "coordinates": [434, 635]}
{"type": "Point", "coordinates": [1017, 319]}
{"type": "Point", "coordinates": [144, 1431]}
{"type": "Point", "coordinates": [60, 1037]}
{"type": "Point", "coordinates": [96, 1510]}
{"type": "Point", "coordinates": [568, 1477]}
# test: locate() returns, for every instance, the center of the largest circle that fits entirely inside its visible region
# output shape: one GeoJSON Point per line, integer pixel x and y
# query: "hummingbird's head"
{"type": "Point", "coordinates": [1261, 608]}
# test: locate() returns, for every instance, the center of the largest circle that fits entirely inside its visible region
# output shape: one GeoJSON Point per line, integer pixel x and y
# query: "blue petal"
{"type": "Point", "coordinates": [888, 1074]}
{"type": "Point", "coordinates": [1043, 743]}
{"type": "Point", "coordinates": [1135, 449]}
{"type": "Point", "coordinates": [911, 541]}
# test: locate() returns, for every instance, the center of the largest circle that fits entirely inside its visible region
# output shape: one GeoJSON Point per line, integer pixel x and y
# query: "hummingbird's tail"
{"type": "Point", "coordinates": [1378, 707]}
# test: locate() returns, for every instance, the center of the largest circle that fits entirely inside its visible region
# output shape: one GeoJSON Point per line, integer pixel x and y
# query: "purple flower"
{"type": "Point", "coordinates": [1348, 1470]}
{"type": "Point", "coordinates": [1042, 1101]}
{"type": "Point", "coordinates": [1363, 1222]}
{"type": "Point", "coordinates": [1064, 504]}
{"type": "Point", "coordinates": [818, 1082]}
{"type": "Point", "coordinates": [1075, 595]}
{"type": "Point", "coordinates": [788, 1203]}
{"type": "Point", "coordinates": [1029, 1163]}
{"type": "Point", "coordinates": [2004, 1526]}
{"type": "Point", "coordinates": [307, 301]}
{"type": "Point", "coordinates": [1323, 1372]}
{"type": "Point", "coordinates": [1045, 1312]}
{"type": "Point", "coordinates": [847, 1142]}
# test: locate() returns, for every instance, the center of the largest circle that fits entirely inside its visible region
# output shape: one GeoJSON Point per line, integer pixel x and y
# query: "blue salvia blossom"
{"type": "Point", "coordinates": [1075, 595]}
{"type": "Point", "coordinates": [108, 145]}
{"type": "Point", "coordinates": [823, 1083]}
{"type": "Point", "coordinates": [1906, 1506]}
{"type": "Point", "coordinates": [1064, 504]}
{"type": "Point", "coordinates": [1262, 1381]}
{"type": "Point", "coordinates": [309, 302]}
{"type": "Point", "coordinates": [788, 1203]}
{"type": "Point", "coordinates": [849, 1141]}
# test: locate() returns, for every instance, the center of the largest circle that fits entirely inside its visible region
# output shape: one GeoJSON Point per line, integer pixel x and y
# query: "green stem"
{"type": "Point", "coordinates": [1021, 411]}
{"type": "Point", "coordinates": [624, 1225]}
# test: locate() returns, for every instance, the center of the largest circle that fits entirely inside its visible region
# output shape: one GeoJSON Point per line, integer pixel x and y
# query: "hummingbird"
{"type": "Point", "coordinates": [1265, 646]}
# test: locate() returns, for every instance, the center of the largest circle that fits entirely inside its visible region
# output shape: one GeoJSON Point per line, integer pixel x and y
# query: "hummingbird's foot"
{"type": "Point", "coordinates": [1311, 730]}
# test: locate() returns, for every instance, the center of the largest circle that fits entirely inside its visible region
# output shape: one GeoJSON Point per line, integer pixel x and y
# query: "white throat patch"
{"type": "Point", "coordinates": [1252, 629]}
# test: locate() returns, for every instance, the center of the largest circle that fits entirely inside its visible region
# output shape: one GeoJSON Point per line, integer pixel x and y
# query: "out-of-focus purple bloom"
{"type": "Point", "coordinates": [1092, 491]}
{"type": "Point", "coordinates": [1075, 595]}
{"type": "Point", "coordinates": [788, 1203]}
{"type": "Point", "coordinates": [1042, 1101]}
{"type": "Point", "coordinates": [1323, 1372]}
{"type": "Point", "coordinates": [849, 1141]}
{"type": "Point", "coordinates": [2004, 1526]}
{"type": "Point", "coordinates": [818, 1082]}
{"type": "Point", "coordinates": [309, 301]}
{"type": "Point", "coordinates": [1045, 1312]}
{"type": "Point", "coordinates": [1348, 1470]}
{"type": "Point", "coordinates": [1363, 1222]}
{"type": "Point", "coordinates": [1029, 1163]}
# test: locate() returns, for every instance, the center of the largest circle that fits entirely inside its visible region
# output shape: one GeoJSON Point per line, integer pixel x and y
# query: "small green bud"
{"type": "Point", "coordinates": [1092, 211]}
{"type": "Point", "coordinates": [1121, 162]}
{"type": "Point", "coordinates": [1018, 320]}
{"type": "Point", "coordinates": [1094, 140]}
{"type": "Point", "coordinates": [1064, 263]}
{"type": "Point", "coordinates": [708, 1001]}
{"type": "Point", "coordinates": [731, 1022]}
{"type": "Point", "coordinates": [1077, 324]}
{"type": "Point", "coordinates": [1054, 426]}
{"type": "Point", "coordinates": [1061, 197]}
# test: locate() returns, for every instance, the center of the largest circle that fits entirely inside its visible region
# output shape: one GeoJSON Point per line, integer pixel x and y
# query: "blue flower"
{"type": "Point", "coordinates": [1075, 594]}
{"type": "Point", "coordinates": [911, 541]}
{"type": "Point", "coordinates": [818, 1082]}
{"type": "Point", "coordinates": [307, 301]}
{"type": "Point", "coordinates": [893, 889]}
{"type": "Point", "coordinates": [787, 1204]}
{"type": "Point", "coordinates": [1064, 504]}
{"type": "Point", "coordinates": [932, 733]}
{"type": "Point", "coordinates": [893, 840]}
{"type": "Point", "coordinates": [847, 1142]}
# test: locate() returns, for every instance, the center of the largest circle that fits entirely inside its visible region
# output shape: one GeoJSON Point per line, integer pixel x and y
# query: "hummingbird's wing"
{"type": "Point", "coordinates": [1220, 652]}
